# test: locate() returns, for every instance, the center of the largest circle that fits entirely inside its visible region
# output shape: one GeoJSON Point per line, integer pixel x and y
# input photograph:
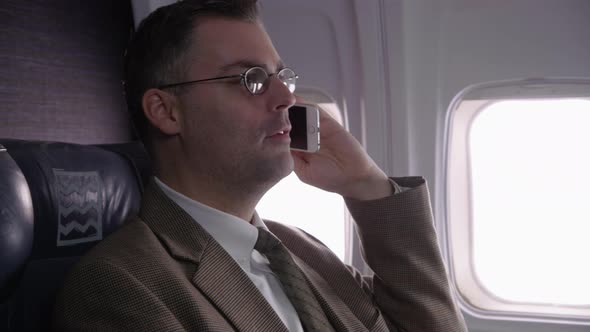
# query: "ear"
{"type": "Point", "coordinates": [161, 109]}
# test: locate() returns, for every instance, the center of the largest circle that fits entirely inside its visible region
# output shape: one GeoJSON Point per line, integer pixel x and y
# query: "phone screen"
{"type": "Point", "coordinates": [298, 119]}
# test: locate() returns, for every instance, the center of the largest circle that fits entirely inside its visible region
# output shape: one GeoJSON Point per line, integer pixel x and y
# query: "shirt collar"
{"type": "Point", "coordinates": [234, 235]}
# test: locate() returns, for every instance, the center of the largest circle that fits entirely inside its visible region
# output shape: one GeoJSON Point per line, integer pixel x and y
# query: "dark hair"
{"type": "Point", "coordinates": [155, 54]}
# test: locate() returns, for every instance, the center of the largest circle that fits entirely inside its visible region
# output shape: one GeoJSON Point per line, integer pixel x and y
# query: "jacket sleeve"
{"type": "Point", "coordinates": [410, 283]}
{"type": "Point", "coordinates": [94, 299]}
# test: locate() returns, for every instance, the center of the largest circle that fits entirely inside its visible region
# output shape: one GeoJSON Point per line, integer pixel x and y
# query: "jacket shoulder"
{"type": "Point", "coordinates": [133, 239]}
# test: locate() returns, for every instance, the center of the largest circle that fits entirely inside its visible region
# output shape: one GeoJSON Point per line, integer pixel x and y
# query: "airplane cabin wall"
{"type": "Point", "coordinates": [318, 39]}
{"type": "Point", "coordinates": [451, 44]}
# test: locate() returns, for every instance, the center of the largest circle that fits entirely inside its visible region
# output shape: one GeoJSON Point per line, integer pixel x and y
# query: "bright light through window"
{"type": "Point", "coordinates": [320, 213]}
{"type": "Point", "coordinates": [317, 212]}
{"type": "Point", "coordinates": [530, 177]}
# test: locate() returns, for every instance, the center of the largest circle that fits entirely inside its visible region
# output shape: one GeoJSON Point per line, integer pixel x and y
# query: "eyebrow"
{"type": "Point", "coordinates": [245, 64]}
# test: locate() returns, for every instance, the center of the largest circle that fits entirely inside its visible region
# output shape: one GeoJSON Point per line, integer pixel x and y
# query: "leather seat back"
{"type": "Point", "coordinates": [58, 200]}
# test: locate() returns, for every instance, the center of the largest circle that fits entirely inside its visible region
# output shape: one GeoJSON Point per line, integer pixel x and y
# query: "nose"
{"type": "Point", "coordinates": [280, 97]}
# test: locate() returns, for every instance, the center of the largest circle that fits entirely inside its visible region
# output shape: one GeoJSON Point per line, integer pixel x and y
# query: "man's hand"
{"type": "Point", "coordinates": [341, 165]}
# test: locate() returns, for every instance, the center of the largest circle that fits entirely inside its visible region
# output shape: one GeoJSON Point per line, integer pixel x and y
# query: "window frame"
{"type": "Point", "coordinates": [474, 298]}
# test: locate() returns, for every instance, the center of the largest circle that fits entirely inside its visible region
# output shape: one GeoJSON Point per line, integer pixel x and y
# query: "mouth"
{"type": "Point", "coordinates": [281, 133]}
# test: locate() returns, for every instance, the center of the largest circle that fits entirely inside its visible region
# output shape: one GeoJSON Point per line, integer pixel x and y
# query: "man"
{"type": "Point", "coordinates": [209, 95]}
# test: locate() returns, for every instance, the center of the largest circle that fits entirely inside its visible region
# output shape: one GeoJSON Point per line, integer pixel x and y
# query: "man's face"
{"type": "Point", "coordinates": [228, 133]}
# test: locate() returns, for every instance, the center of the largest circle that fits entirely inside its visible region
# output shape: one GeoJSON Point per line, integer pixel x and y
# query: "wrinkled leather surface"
{"type": "Point", "coordinates": [16, 218]}
{"type": "Point", "coordinates": [120, 196]}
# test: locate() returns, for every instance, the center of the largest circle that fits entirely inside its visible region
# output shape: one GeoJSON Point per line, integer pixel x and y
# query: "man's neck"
{"type": "Point", "coordinates": [220, 196]}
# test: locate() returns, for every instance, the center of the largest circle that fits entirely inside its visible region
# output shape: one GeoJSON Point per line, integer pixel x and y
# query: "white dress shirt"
{"type": "Point", "coordinates": [238, 238]}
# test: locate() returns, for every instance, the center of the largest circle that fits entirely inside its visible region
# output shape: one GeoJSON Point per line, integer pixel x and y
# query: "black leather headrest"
{"type": "Point", "coordinates": [57, 200]}
{"type": "Point", "coordinates": [16, 218]}
{"type": "Point", "coordinates": [80, 194]}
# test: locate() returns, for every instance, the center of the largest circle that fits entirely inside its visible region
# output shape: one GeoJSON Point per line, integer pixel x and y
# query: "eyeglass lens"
{"type": "Point", "coordinates": [256, 79]}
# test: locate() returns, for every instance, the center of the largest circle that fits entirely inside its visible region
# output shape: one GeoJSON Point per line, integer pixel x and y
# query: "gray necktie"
{"type": "Point", "coordinates": [294, 284]}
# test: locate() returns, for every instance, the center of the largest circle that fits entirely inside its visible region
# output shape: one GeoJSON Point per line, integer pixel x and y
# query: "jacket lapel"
{"type": "Point", "coordinates": [340, 316]}
{"type": "Point", "coordinates": [221, 279]}
{"type": "Point", "coordinates": [347, 306]}
{"type": "Point", "coordinates": [217, 275]}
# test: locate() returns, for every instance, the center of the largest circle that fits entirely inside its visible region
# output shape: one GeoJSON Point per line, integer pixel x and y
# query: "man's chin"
{"type": "Point", "coordinates": [280, 166]}
{"type": "Point", "coordinates": [286, 165]}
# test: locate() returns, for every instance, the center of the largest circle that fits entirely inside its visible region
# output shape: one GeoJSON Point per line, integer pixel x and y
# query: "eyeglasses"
{"type": "Point", "coordinates": [255, 79]}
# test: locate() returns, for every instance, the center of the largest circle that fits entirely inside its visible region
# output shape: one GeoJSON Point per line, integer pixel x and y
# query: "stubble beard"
{"type": "Point", "coordinates": [250, 176]}
{"type": "Point", "coordinates": [257, 176]}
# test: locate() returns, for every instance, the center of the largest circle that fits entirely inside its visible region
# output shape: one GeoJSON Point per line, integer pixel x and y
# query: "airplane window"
{"type": "Point", "coordinates": [531, 217]}
{"type": "Point", "coordinates": [320, 213]}
{"type": "Point", "coordinates": [317, 212]}
{"type": "Point", "coordinates": [518, 218]}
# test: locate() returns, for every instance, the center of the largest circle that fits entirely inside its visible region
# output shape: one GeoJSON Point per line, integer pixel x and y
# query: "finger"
{"type": "Point", "coordinates": [300, 100]}
{"type": "Point", "coordinates": [300, 157]}
{"type": "Point", "coordinates": [300, 163]}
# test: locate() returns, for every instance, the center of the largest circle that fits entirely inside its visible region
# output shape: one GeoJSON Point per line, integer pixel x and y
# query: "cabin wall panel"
{"type": "Point", "coordinates": [451, 44]}
{"type": "Point", "coordinates": [319, 40]}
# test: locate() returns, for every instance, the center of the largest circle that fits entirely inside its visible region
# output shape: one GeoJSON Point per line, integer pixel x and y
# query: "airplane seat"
{"type": "Point", "coordinates": [57, 200]}
{"type": "Point", "coordinates": [16, 228]}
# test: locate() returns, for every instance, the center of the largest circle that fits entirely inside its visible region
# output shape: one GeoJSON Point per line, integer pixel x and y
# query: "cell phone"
{"type": "Point", "coordinates": [305, 127]}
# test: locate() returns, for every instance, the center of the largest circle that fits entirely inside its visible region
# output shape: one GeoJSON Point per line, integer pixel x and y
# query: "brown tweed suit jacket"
{"type": "Point", "coordinates": [163, 272]}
